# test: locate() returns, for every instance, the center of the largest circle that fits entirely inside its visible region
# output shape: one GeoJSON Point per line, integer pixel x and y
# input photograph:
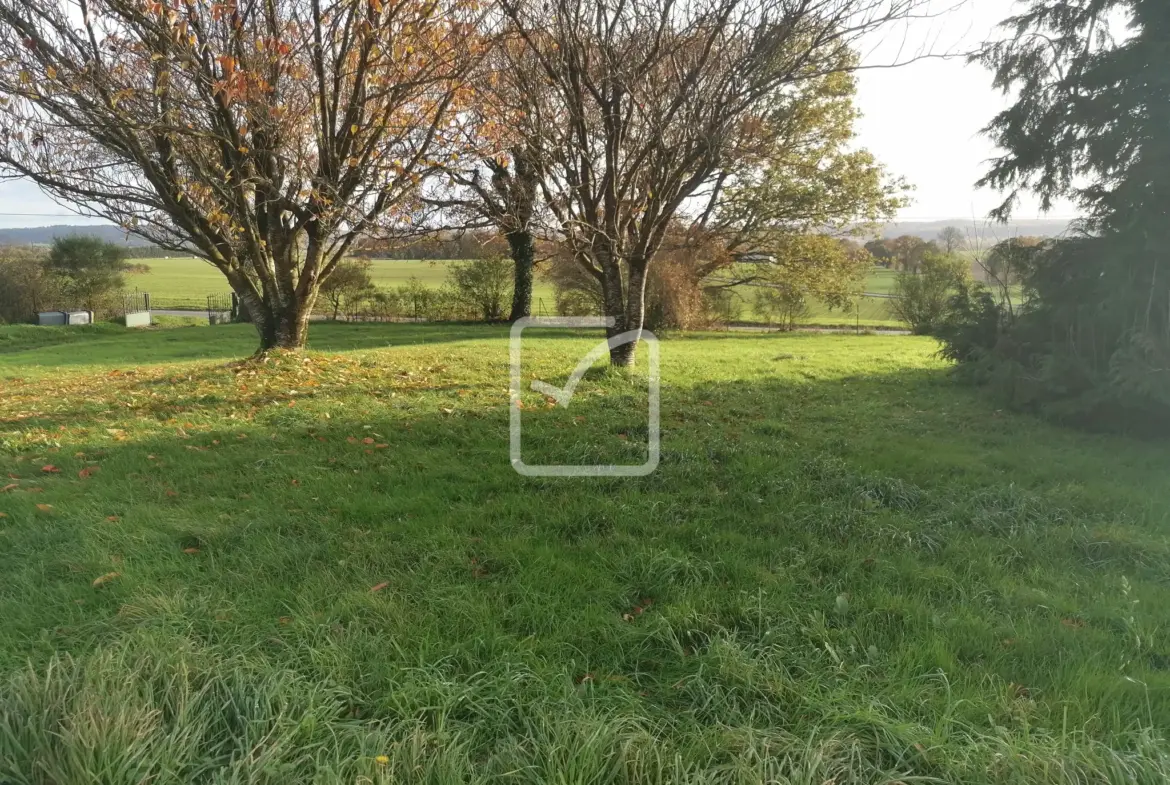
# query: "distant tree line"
{"type": "Point", "coordinates": [436, 246]}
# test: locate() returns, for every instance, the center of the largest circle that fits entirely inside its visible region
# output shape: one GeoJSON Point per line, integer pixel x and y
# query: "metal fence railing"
{"type": "Point", "coordinates": [192, 303]}
{"type": "Point", "coordinates": [135, 302]}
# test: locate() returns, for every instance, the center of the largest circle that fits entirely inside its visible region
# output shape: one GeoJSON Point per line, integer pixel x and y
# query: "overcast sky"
{"type": "Point", "coordinates": [922, 120]}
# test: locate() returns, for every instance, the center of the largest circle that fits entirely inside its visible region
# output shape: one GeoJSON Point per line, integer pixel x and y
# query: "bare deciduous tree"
{"type": "Point", "coordinates": [638, 104]}
{"type": "Point", "coordinates": [264, 135]}
{"type": "Point", "coordinates": [497, 186]}
{"type": "Point", "coordinates": [951, 239]}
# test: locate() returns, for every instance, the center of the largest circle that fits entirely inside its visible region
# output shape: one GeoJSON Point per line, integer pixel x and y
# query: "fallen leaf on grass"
{"type": "Point", "coordinates": [3, 515]}
{"type": "Point", "coordinates": [12, 486]}
{"type": "Point", "coordinates": [45, 507]}
{"type": "Point", "coordinates": [88, 472]}
{"type": "Point", "coordinates": [104, 579]}
{"type": "Point", "coordinates": [638, 610]}
{"type": "Point", "coordinates": [367, 440]}
{"type": "Point", "coordinates": [381, 446]}
{"type": "Point", "coordinates": [1073, 623]}
{"type": "Point", "coordinates": [191, 551]}
{"type": "Point", "coordinates": [172, 493]}
{"type": "Point", "coordinates": [379, 587]}
{"type": "Point", "coordinates": [113, 518]}
{"type": "Point", "coordinates": [50, 469]}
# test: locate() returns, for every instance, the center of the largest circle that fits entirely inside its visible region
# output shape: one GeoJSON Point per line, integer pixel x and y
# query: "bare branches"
{"type": "Point", "coordinates": [266, 135]}
{"type": "Point", "coordinates": [637, 110]}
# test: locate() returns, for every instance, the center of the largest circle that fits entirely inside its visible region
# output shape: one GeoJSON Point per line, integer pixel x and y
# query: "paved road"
{"type": "Point", "coordinates": [194, 314]}
{"type": "Point", "coordinates": [759, 328]}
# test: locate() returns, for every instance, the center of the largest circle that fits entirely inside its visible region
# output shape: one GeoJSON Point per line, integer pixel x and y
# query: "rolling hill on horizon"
{"type": "Point", "coordinates": [44, 235]}
{"type": "Point", "coordinates": [984, 232]}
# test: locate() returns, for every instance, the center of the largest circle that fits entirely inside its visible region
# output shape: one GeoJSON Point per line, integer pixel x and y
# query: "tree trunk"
{"type": "Point", "coordinates": [291, 327]}
{"type": "Point", "coordinates": [631, 319]}
{"type": "Point", "coordinates": [523, 251]}
{"type": "Point", "coordinates": [279, 325]}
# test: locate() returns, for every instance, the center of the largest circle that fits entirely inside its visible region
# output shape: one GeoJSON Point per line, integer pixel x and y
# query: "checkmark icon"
{"type": "Point", "coordinates": [564, 396]}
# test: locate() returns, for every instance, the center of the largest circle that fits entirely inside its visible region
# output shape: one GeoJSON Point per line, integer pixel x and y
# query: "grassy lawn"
{"type": "Point", "coordinates": [322, 569]}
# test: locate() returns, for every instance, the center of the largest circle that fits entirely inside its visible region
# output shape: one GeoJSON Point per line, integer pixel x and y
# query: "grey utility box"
{"type": "Point", "coordinates": [60, 318]}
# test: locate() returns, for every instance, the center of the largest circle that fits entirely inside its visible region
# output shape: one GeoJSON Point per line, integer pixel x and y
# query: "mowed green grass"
{"type": "Point", "coordinates": [187, 282]}
{"type": "Point", "coordinates": [194, 279]}
{"type": "Point", "coordinates": [323, 569]}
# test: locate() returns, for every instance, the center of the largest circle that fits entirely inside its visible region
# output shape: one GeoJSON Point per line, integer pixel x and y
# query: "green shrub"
{"type": "Point", "coordinates": [484, 286]}
{"type": "Point", "coordinates": [25, 285]}
{"type": "Point", "coordinates": [971, 323]}
{"type": "Point", "coordinates": [90, 271]}
{"type": "Point", "coordinates": [1087, 346]}
{"type": "Point", "coordinates": [921, 298]}
{"type": "Point", "coordinates": [783, 306]}
{"type": "Point", "coordinates": [348, 288]}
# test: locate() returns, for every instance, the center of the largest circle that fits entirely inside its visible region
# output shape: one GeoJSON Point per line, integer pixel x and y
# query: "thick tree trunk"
{"type": "Point", "coordinates": [291, 327]}
{"type": "Point", "coordinates": [631, 318]}
{"type": "Point", "coordinates": [279, 325]}
{"type": "Point", "coordinates": [523, 250]}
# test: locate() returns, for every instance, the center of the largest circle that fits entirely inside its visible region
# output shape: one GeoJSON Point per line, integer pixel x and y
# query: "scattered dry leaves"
{"type": "Point", "coordinates": [104, 579]}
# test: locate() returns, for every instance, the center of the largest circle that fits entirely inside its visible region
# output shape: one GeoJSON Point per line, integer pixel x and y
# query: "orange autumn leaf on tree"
{"type": "Point", "coordinates": [280, 120]}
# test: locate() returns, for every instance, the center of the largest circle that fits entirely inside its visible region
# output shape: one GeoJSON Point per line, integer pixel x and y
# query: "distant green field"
{"type": "Point", "coordinates": [185, 282]}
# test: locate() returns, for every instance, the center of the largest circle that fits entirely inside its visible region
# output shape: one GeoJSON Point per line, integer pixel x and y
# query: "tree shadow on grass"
{"type": "Point", "coordinates": [35, 353]}
{"type": "Point", "coordinates": [130, 348]}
